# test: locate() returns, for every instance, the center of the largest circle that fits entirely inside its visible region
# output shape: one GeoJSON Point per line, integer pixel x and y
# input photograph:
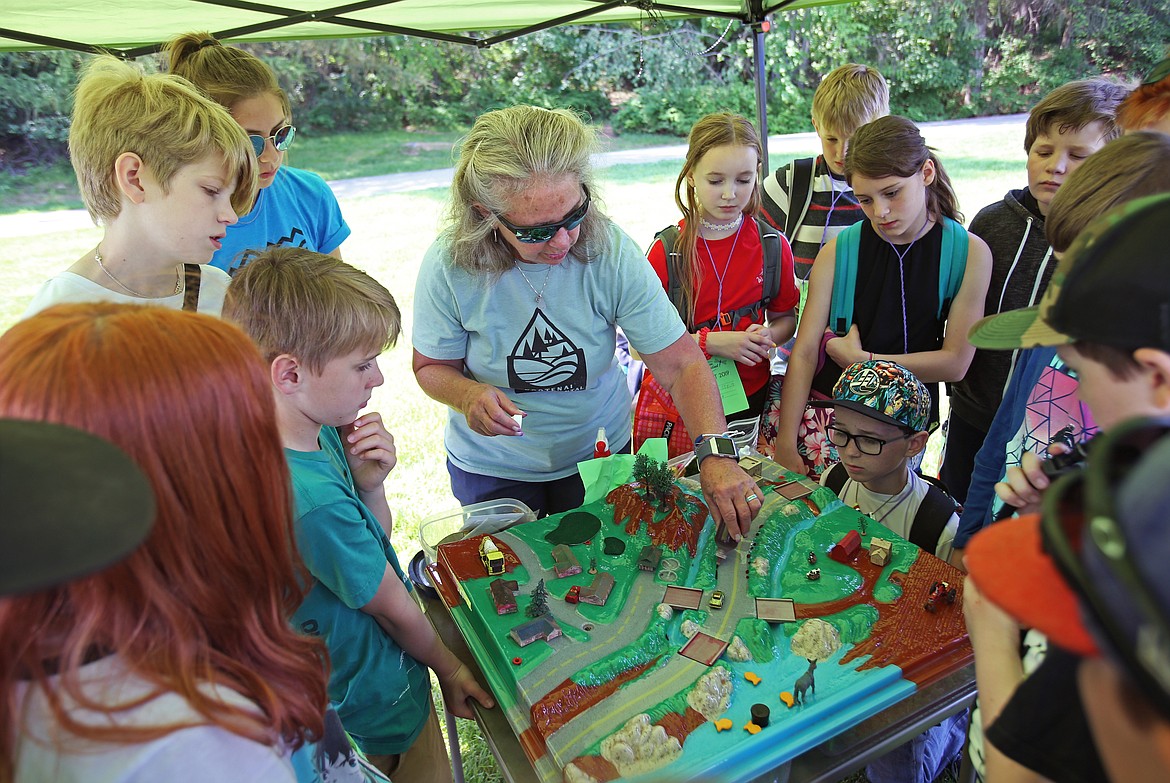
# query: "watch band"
{"type": "Point", "coordinates": [714, 446]}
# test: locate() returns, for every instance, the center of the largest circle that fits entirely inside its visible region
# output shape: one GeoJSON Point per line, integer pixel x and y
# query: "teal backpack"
{"type": "Point", "coordinates": [953, 263]}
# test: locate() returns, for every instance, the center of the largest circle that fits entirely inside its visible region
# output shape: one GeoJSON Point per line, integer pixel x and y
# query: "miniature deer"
{"type": "Point", "coordinates": [805, 682]}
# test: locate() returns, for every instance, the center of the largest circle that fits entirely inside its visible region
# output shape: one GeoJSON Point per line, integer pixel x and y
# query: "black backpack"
{"type": "Point", "coordinates": [769, 240]}
{"type": "Point", "coordinates": [931, 518]}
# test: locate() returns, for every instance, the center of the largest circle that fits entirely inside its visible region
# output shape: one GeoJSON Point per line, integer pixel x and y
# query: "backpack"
{"type": "Point", "coordinates": [800, 176]}
{"type": "Point", "coordinates": [769, 240]}
{"type": "Point", "coordinates": [931, 518]}
{"type": "Point", "coordinates": [952, 265]}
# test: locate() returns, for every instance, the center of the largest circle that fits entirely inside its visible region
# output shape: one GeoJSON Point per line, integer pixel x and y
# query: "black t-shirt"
{"type": "Point", "coordinates": [1043, 725]}
{"type": "Point", "coordinates": [883, 285]}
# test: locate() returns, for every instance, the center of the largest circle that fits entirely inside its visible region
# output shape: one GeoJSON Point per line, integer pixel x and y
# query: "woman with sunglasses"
{"type": "Point", "coordinates": [293, 207]}
{"type": "Point", "coordinates": [514, 324]}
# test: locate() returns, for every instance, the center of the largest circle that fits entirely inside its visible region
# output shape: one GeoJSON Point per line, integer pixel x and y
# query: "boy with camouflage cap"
{"type": "Point", "coordinates": [880, 428]}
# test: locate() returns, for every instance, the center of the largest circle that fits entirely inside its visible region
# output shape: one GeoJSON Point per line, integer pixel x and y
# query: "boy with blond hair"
{"type": "Point", "coordinates": [1063, 129]}
{"type": "Point", "coordinates": [808, 199]}
{"type": "Point", "coordinates": [320, 323]}
{"type": "Point", "coordinates": [165, 171]}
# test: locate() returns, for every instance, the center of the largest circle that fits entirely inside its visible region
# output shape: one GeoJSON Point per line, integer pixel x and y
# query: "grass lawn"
{"type": "Point", "coordinates": [391, 234]}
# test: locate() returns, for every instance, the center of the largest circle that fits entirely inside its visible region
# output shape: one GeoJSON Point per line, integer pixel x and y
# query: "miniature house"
{"type": "Point", "coordinates": [565, 563]}
{"type": "Point", "coordinates": [847, 548]}
{"type": "Point", "coordinates": [753, 466]}
{"type": "Point", "coordinates": [598, 592]}
{"type": "Point", "coordinates": [504, 595]}
{"type": "Point", "coordinates": [648, 559]}
{"type": "Point", "coordinates": [540, 628]}
{"type": "Point", "coordinates": [880, 551]}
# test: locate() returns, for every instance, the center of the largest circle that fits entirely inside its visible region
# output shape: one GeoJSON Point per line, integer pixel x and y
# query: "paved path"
{"type": "Point", "coordinates": [780, 148]}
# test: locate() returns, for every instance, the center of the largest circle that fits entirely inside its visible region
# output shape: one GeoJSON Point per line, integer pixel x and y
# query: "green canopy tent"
{"type": "Point", "coordinates": [129, 28]}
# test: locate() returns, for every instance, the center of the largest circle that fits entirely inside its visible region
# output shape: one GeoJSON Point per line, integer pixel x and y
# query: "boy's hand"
{"type": "Point", "coordinates": [489, 412]}
{"type": "Point", "coordinates": [369, 450]}
{"type": "Point", "coordinates": [846, 350]}
{"type": "Point", "coordinates": [458, 687]}
{"type": "Point", "coordinates": [1024, 484]}
{"type": "Point", "coordinates": [750, 346]}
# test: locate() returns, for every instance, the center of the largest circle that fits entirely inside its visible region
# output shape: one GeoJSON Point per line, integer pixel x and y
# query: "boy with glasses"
{"type": "Point", "coordinates": [880, 429]}
{"type": "Point", "coordinates": [880, 416]}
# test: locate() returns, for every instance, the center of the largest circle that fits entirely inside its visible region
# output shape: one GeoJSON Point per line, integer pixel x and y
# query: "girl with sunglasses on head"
{"type": "Point", "coordinates": [293, 207]}
{"type": "Point", "coordinates": [914, 293]}
{"type": "Point", "coordinates": [515, 318]}
{"type": "Point", "coordinates": [718, 260]}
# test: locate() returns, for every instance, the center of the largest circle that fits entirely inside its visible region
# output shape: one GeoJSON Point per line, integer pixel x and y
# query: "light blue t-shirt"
{"type": "Point", "coordinates": [554, 360]}
{"type": "Point", "coordinates": [381, 693]}
{"type": "Point", "coordinates": [298, 210]}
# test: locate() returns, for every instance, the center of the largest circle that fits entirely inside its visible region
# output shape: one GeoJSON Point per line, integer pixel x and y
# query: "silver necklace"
{"type": "Point", "coordinates": [97, 256]}
{"type": "Point", "coordinates": [717, 227]}
{"type": "Point", "coordinates": [897, 500]}
{"type": "Point", "coordinates": [547, 274]}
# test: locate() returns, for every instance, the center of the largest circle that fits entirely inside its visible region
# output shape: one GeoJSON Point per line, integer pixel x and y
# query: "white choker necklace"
{"type": "Point", "coordinates": [720, 227]}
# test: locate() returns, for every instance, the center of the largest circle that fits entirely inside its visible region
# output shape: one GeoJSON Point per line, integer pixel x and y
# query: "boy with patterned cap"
{"type": "Point", "coordinates": [880, 416]}
{"type": "Point", "coordinates": [881, 412]}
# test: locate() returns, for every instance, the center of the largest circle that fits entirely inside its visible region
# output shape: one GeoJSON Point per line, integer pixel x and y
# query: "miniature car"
{"type": "Point", "coordinates": [574, 594]}
{"type": "Point", "coordinates": [939, 591]}
{"type": "Point", "coordinates": [716, 601]}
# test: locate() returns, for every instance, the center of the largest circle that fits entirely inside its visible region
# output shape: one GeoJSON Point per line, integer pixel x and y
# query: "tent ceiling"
{"type": "Point", "coordinates": [134, 27]}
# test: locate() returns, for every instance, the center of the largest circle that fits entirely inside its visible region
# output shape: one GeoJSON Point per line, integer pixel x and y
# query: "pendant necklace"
{"type": "Point", "coordinates": [719, 276]}
{"type": "Point", "coordinates": [97, 256]}
{"type": "Point", "coordinates": [540, 293]}
{"type": "Point", "coordinates": [897, 500]}
{"type": "Point", "coordinates": [716, 227]}
{"type": "Point", "coordinates": [902, 275]}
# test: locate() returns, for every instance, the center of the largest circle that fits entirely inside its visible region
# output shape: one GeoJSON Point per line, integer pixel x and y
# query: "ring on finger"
{"type": "Point", "coordinates": [752, 497]}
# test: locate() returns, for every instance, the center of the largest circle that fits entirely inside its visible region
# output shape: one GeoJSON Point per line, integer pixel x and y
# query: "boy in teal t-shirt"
{"type": "Point", "coordinates": [321, 324]}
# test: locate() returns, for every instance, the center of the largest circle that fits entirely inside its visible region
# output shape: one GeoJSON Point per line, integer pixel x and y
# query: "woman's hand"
{"type": "Point", "coordinates": [489, 411]}
{"type": "Point", "coordinates": [732, 497]}
{"type": "Point", "coordinates": [750, 346]}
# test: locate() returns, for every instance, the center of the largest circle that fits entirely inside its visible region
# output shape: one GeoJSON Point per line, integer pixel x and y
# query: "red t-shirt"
{"type": "Point", "coordinates": [739, 261]}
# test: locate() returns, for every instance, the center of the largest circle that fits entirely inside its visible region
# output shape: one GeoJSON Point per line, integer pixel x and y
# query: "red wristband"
{"type": "Point", "coordinates": [703, 341]}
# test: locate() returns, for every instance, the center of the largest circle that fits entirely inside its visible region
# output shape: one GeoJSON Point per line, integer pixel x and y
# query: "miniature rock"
{"type": "Point", "coordinates": [712, 693]}
{"type": "Point", "coordinates": [738, 651]}
{"type": "Point", "coordinates": [665, 611]}
{"type": "Point", "coordinates": [689, 628]}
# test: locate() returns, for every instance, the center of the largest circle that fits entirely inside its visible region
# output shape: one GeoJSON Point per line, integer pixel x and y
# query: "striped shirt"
{"type": "Point", "coordinates": [833, 208]}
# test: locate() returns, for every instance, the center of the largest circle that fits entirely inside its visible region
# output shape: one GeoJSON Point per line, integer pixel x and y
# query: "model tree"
{"type": "Point", "coordinates": [539, 605]}
{"type": "Point", "coordinates": [656, 478]}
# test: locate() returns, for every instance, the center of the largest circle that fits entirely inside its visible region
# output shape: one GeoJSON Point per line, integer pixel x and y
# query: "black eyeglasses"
{"type": "Point", "coordinates": [865, 444]}
{"type": "Point", "coordinates": [1079, 511]}
{"type": "Point", "coordinates": [531, 235]}
{"type": "Point", "coordinates": [281, 140]}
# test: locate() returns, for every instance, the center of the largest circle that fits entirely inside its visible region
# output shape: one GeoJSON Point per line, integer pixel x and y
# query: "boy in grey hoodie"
{"type": "Point", "coordinates": [1068, 125]}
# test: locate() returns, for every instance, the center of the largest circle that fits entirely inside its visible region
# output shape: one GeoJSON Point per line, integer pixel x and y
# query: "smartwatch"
{"type": "Point", "coordinates": [713, 446]}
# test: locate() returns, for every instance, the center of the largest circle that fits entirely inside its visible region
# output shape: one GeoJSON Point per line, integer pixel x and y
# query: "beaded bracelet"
{"type": "Point", "coordinates": [703, 341]}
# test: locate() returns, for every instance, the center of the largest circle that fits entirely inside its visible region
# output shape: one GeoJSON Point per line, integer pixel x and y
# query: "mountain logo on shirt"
{"type": "Point", "coordinates": [544, 359]}
{"type": "Point", "coordinates": [295, 238]}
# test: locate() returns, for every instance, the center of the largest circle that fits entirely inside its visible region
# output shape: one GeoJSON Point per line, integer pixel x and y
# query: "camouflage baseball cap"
{"type": "Point", "coordinates": [1111, 287]}
{"type": "Point", "coordinates": [882, 390]}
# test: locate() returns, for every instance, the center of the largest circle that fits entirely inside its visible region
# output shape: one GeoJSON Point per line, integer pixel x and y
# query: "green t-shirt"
{"type": "Point", "coordinates": [381, 692]}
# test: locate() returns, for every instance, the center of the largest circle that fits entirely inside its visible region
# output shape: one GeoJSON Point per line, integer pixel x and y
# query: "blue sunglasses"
{"type": "Point", "coordinates": [281, 140]}
{"type": "Point", "coordinates": [531, 235]}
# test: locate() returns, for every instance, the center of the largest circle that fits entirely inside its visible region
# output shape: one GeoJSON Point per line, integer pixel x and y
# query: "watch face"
{"type": "Point", "coordinates": [724, 446]}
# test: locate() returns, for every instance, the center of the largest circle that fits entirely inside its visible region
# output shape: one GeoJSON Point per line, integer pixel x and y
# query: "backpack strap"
{"type": "Point", "coordinates": [932, 516]}
{"type": "Point", "coordinates": [844, 280]}
{"type": "Point", "coordinates": [952, 264]}
{"type": "Point", "coordinates": [800, 177]}
{"type": "Point", "coordinates": [835, 478]}
{"type": "Point", "coordinates": [192, 274]}
{"type": "Point", "coordinates": [770, 242]}
{"type": "Point", "coordinates": [674, 291]}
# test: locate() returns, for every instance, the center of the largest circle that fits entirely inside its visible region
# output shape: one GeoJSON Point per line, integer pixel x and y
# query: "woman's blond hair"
{"type": "Point", "coordinates": [227, 74]}
{"type": "Point", "coordinates": [505, 152]}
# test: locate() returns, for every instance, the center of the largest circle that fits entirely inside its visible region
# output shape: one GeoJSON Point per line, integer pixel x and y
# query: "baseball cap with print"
{"type": "Point", "coordinates": [1112, 286]}
{"type": "Point", "coordinates": [1090, 570]}
{"type": "Point", "coordinates": [882, 390]}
